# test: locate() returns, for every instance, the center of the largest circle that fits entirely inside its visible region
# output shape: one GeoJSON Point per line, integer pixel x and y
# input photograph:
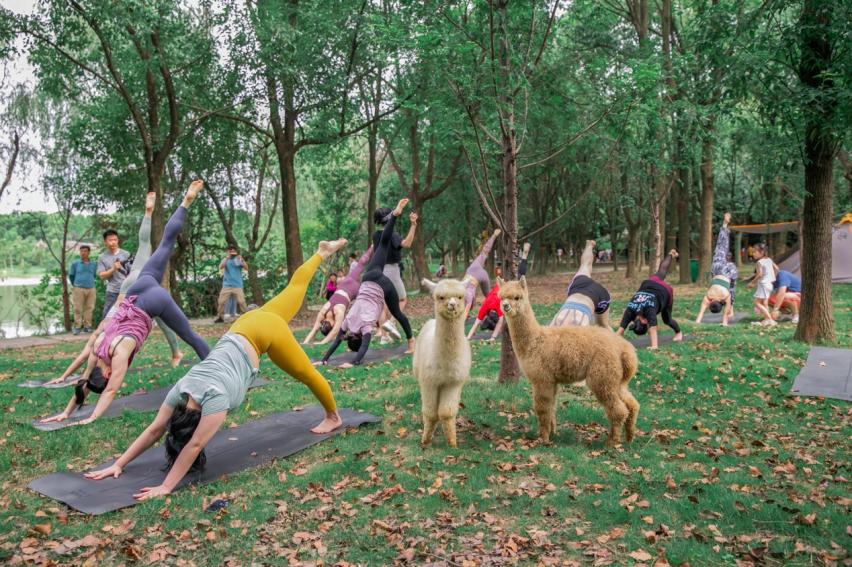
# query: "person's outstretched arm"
{"type": "Point", "coordinates": [116, 379]}
{"type": "Point", "coordinates": [145, 441]}
{"type": "Point", "coordinates": [409, 238]}
{"type": "Point", "coordinates": [337, 340]}
{"type": "Point", "coordinates": [362, 350]}
{"type": "Point", "coordinates": [315, 328]}
{"type": "Point", "coordinates": [704, 305]}
{"type": "Point", "coordinates": [498, 328]}
{"type": "Point", "coordinates": [473, 329]}
{"type": "Point", "coordinates": [207, 428]}
{"type": "Point", "coordinates": [69, 409]}
{"type": "Point", "coordinates": [335, 330]}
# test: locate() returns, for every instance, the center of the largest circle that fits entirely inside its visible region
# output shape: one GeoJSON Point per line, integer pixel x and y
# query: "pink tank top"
{"type": "Point", "coordinates": [129, 321]}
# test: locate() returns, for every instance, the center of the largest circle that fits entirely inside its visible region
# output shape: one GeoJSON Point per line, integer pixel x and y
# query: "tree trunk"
{"type": "Point", "coordinates": [372, 178]}
{"type": "Point", "coordinates": [816, 322]}
{"type": "Point", "coordinates": [254, 284]}
{"type": "Point", "coordinates": [683, 229]}
{"type": "Point", "coordinates": [705, 235]}
{"type": "Point", "coordinates": [509, 369]}
{"type": "Point", "coordinates": [418, 248]}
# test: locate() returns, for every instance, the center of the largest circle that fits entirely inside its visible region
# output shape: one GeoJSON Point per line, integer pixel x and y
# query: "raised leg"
{"type": "Point", "coordinates": [587, 260]}
{"type": "Point", "coordinates": [175, 319]}
{"type": "Point", "coordinates": [287, 355]}
{"type": "Point", "coordinates": [287, 303]}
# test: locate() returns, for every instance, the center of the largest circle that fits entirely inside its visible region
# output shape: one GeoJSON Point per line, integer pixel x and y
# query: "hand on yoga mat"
{"type": "Point", "coordinates": [61, 417]}
{"type": "Point", "coordinates": [113, 471]}
{"type": "Point", "coordinates": [86, 421]}
{"type": "Point", "coordinates": [152, 492]}
{"type": "Point", "coordinates": [347, 365]}
{"type": "Point", "coordinates": [55, 381]}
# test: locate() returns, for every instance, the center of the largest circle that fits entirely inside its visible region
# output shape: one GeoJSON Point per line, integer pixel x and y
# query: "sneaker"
{"type": "Point", "coordinates": [795, 319]}
{"type": "Point", "coordinates": [768, 323]}
{"type": "Point", "coordinates": [75, 331]}
{"type": "Point", "coordinates": [87, 329]}
{"type": "Point", "coordinates": [391, 328]}
{"type": "Point", "coordinates": [218, 320]}
{"type": "Point", "coordinates": [385, 340]}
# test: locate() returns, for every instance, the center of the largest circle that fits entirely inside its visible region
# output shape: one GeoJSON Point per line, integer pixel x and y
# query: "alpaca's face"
{"type": "Point", "coordinates": [513, 297]}
{"type": "Point", "coordinates": [449, 299]}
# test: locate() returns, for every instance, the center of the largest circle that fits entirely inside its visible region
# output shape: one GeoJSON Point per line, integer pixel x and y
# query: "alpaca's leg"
{"type": "Point", "coordinates": [544, 403]}
{"type": "Point", "coordinates": [633, 413]}
{"type": "Point", "coordinates": [429, 401]}
{"type": "Point", "coordinates": [606, 386]}
{"type": "Point", "coordinates": [448, 408]}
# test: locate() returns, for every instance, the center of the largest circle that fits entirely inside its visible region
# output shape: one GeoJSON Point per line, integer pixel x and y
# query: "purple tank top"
{"type": "Point", "coordinates": [129, 321]}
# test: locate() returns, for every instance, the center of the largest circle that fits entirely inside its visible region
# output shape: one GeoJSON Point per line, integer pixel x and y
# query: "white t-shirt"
{"type": "Point", "coordinates": [768, 271]}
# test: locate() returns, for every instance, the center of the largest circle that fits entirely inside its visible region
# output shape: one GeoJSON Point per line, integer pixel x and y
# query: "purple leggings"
{"type": "Point", "coordinates": [477, 271]}
{"type": "Point", "coordinates": [156, 301]}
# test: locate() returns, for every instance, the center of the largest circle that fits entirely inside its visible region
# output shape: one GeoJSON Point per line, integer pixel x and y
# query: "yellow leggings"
{"type": "Point", "coordinates": [268, 331]}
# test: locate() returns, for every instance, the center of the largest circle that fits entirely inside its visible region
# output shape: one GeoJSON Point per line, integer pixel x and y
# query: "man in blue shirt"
{"type": "Point", "coordinates": [232, 283]}
{"type": "Point", "coordinates": [787, 294]}
{"type": "Point", "coordinates": [82, 278]}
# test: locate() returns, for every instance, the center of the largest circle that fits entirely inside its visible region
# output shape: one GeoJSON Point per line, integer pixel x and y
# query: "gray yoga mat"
{"type": "Point", "coordinates": [662, 339]}
{"type": "Point", "coordinates": [827, 373]}
{"type": "Point", "coordinates": [231, 450]}
{"type": "Point", "coordinates": [373, 356]}
{"type": "Point", "coordinates": [71, 380]}
{"type": "Point", "coordinates": [716, 318]}
{"type": "Point", "coordinates": [141, 401]}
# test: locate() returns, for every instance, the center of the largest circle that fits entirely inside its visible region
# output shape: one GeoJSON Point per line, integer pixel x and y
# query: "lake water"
{"type": "Point", "coordinates": [11, 322]}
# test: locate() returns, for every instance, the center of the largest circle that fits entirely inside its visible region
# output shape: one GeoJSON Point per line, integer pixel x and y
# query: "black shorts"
{"type": "Point", "coordinates": [584, 285]}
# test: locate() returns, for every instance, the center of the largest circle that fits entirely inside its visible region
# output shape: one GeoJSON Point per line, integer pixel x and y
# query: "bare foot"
{"type": "Point", "coordinates": [678, 337]}
{"type": "Point", "coordinates": [399, 206]}
{"type": "Point", "coordinates": [329, 424]}
{"type": "Point", "coordinates": [591, 243]}
{"type": "Point", "coordinates": [194, 189]}
{"type": "Point", "coordinates": [150, 201]}
{"type": "Point", "coordinates": [328, 247]}
{"type": "Point", "coordinates": [410, 348]}
{"type": "Point", "coordinates": [497, 232]}
{"type": "Point", "coordinates": [346, 365]}
{"type": "Point", "coordinates": [176, 358]}
{"type": "Point", "coordinates": [673, 253]}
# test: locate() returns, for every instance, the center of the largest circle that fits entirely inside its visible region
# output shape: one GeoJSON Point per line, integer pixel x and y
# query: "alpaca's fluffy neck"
{"type": "Point", "coordinates": [449, 331]}
{"type": "Point", "coordinates": [524, 329]}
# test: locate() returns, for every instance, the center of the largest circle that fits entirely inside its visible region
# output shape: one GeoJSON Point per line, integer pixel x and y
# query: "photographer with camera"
{"type": "Point", "coordinates": [231, 268]}
{"type": "Point", "coordinates": [113, 266]}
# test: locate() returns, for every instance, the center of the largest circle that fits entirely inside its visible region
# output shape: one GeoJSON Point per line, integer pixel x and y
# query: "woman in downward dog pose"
{"type": "Point", "coordinates": [196, 407]}
{"type": "Point", "coordinates": [584, 297]}
{"type": "Point", "coordinates": [720, 295]}
{"type": "Point", "coordinates": [125, 334]}
{"type": "Point", "coordinates": [490, 316]}
{"type": "Point", "coordinates": [142, 255]}
{"type": "Point", "coordinates": [376, 290]}
{"type": "Point", "coordinates": [330, 317]}
{"type": "Point", "coordinates": [654, 297]}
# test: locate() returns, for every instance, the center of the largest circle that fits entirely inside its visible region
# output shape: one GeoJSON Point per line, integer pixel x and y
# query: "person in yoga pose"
{"type": "Point", "coordinates": [142, 255]}
{"type": "Point", "coordinates": [584, 297]}
{"type": "Point", "coordinates": [654, 297]}
{"type": "Point", "coordinates": [376, 290]}
{"type": "Point", "coordinates": [330, 317]}
{"type": "Point", "coordinates": [787, 294]}
{"type": "Point", "coordinates": [197, 405]}
{"type": "Point", "coordinates": [720, 296]}
{"type": "Point", "coordinates": [125, 334]}
{"type": "Point", "coordinates": [393, 267]}
{"type": "Point", "coordinates": [490, 316]}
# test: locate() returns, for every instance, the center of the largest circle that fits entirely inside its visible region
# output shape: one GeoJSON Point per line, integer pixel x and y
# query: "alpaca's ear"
{"type": "Point", "coordinates": [429, 285]}
{"type": "Point", "coordinates": [523, 281]}
{"type": "Point", "coordinates": [500, 281]}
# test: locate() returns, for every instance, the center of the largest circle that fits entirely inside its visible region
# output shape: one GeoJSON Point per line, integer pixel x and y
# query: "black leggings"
{"type": "Point", "coordinates": [663, 270]}
{"type": "Point", "coordinates": [375, 273]}
{"type": "Point", "coordinates": [156, 301]}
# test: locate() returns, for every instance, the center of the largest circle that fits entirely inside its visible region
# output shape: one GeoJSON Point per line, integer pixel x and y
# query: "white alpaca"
{"type": "Point", "coordinates": [442, 361]}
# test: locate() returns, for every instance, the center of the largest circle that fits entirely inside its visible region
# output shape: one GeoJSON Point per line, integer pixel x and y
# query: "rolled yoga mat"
{"type": "Point", "coordinates": [716, 318]}
{"type": "Point", "coordinates": [141, 401]}
{"type": "Point", "coordinates": [373, 356]}
{"type": "Point", "coordinates": [662, 339]}
{"type": "Point", "coordinates": [231, 450]}
{"type": "Point", "coordinates": [827, 373]}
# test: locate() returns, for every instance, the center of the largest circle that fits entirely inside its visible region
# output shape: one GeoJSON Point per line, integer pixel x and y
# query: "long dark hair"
{"type": "Point", "coordinates": [96, 383]}
{"type": "Point", "coordinates": [181, 428]}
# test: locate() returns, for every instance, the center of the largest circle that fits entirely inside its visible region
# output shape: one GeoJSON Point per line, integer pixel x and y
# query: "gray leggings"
{"type": "Point", "coordinates": [143, 252]}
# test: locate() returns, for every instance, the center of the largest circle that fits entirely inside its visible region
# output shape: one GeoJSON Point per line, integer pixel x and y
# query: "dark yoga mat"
{"type": "Point", "coordinates": [141, 401]}
{"type": "Point", "coordinates": [827, 373]}
{"type": "Point", "coordinates": [716, 318]}
{"type": "Point", "coordinates": [230, 451]}
{"type": "Point", "coordinates": [662, 339]}
{"type": "Point", "coordinates": [373, 356]}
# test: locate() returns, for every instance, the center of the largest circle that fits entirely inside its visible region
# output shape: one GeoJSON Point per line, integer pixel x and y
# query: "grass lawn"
{"type": "Point", "coordinates": [726, 469]}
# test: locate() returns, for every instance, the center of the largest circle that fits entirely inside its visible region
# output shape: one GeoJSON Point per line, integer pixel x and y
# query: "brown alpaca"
{"type": "Point", "coordinates": [563, 355]}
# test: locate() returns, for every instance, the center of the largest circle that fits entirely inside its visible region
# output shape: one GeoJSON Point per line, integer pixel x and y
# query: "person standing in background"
{"type": "Point", "coordinates": [231, 267]}
{"type": "Point", "coordinates": [113, 267]}
{"type": "Point", "coordinates": [82, 279]}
